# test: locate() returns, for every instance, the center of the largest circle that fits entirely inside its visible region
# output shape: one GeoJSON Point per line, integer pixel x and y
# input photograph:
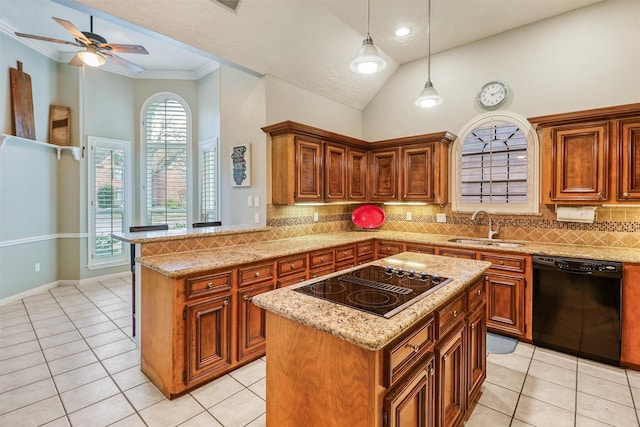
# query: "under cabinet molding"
{"type": "Point", "coordinates": [75, 151]}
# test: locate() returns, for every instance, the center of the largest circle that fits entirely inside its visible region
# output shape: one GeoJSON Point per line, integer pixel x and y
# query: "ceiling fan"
{"type": "Point", "coordinates": [97, 49]}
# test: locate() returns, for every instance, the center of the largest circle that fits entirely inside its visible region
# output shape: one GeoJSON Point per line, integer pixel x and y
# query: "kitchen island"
{"type": "Point", "coordinates": [333, 365]}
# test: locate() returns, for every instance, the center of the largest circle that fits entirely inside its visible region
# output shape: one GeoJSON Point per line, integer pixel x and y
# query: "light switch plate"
{"type": "Point", "coordinates": [256, 218]}
{"type": "Point", "coordinates": [256, 201]}
{"type": "Point", "coordinates": [249, 201]}
{"type": "Point", "coordinates": [441, 217]}
{"type": "Point", "coordinates": [409, 216]}
{"type": "Point", "coordinates": [315, 216]}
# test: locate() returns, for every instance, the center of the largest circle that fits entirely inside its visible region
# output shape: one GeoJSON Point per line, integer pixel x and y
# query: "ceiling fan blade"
{"type": "Point", "coordinates": [125, 48]}
{"type": "Point", "coordinates": [46, 39]}
{"type": "Point", "coordinates": [127, 64]}
{"type": "Point", "coordinates": [76, 61]}
{"type": "Point", "coordinates": [73, 30]}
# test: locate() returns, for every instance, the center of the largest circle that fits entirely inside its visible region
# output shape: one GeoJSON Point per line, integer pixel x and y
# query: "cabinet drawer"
{"type": "Point", "coordinates": [449, 315]}
{"type": "Point", "coordinates": [363, 249]}
{"type": "Point", "coordinates": [209, 285]}
{"type": "Point", "coordinates": [292, 280]}
{"type": "Point", "coordinates": [255, 274]}
{"type": "Point", "coordinates": [319, 259]}
{"type": "Point", "coordinates": [345, 253]}
{"type": "Point", "coordinates": [345, 264]}
{"type": "Point", "coordinates": [313, 274]}
{"type": "Point", "coordinates": [505, 262]}
{"type": "Point", "coordinates": [292, 265]}
{"type": "Point", "coordinates": [400, 357]}
{"type": "Point", "coordinates": [421, 249]}
{"type": "Point", "coordinates": [388, 248]}
{"type": "Point", "coordinates": [365, 259]}
{"type": "Point", "coordinates": [457, 253]}
{"type": "Point", "coordinates": [476, 294]}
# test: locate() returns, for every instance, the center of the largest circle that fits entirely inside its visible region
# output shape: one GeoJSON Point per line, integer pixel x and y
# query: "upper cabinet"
{"type": "Point", "coordinates": [313, 165]}
{"type": "Point", "coordinates": [590, 157]}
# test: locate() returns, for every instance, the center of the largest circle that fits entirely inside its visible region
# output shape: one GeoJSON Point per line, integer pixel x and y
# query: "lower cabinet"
{"type": "Point", "coordinates": [451, 374]}
{"type": "Point", "coordinates": [251, 322]}
{"type": "Point", "coordinates": [505, 307]}
{"type": "Point", "coordinates": [477, 345]}
{"type": "Point", "coordinates": [410, 403]}
{"type": "Point", "coordinates": [208, 338]}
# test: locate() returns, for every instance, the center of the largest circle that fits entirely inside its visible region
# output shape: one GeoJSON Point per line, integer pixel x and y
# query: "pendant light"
{"type": "Point", "coordinates": [429, 96]}
{"type": "Point", "coordinates": [368, 60]}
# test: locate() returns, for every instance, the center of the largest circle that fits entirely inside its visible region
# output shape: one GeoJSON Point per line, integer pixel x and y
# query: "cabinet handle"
{"type": "Point", "coordinates": [445, 357]}
{"type": "Point", "coordinates": [473, 326]}
{"type": "Point", "coordinates": [321, 259]}
{"type": "Point", "coordinates": [479, 292]}
{"type": "Point", "coordinates": [431, 371]}
{"type": "Point", "coordinates": [414, 347]}
{"type": "Point", "coordinates": [246, 298]}
{"type": "Point", "coordinates": [257, 274]}
{"type": "Point", "coordinates": [405, 196]}
{"type": "Point", "coordinates": [455, 313]}
{"type": "Point", "coordinates": [293, 266]}
{"type": "Point", "coordinates": [625, 194]}
{"type": "Point", "coordinates": [210, 285]}
{"type": "Point", "coordinates": [226, 302]}
{"type": "Point", "coordinates": [345, 253]}
{"type": "Point", "coordinates": [501, 262]}
{"type": "Point", "coordinates": [600, 196]}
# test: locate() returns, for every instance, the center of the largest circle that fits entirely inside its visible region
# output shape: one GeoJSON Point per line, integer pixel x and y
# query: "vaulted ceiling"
{"type": "Point", "coordinates": [307, 43]}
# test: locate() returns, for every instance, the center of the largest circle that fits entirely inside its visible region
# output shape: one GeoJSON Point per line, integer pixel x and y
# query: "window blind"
{"type": "Point", "coordinates": [209, 184]}
{"type": "Point", "coordinates": [166, 163]}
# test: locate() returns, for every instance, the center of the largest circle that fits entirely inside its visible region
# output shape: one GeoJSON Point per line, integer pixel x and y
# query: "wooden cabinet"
{"type": "Point", "coordinates": [309, 170]}
{"type": "Point", "coordinates": [357, 174]}
{"type": "Point", "coordinates": [457, 253]}
{"type": "Point", "coordinates": [477, 350]}
{"type": "Point", "coordinates": [364, 252]}
{"type": "Point", "coordinates": [417, 168]}
{"type": "Point", "coordinates": [251, 322]}
{"type": "Point", "coordinates": [385, 248]}
{"type": "Point", "coordinates": [627, 134]}
{"type": "Point", "coordinates": [420, 248]}
{"type": "Point", "coordinates": [630, 351]}
{"type": "Point", "coordinates": [590, 157]}
{"type": "Point", "coordinates": [451, 370]}
{"type": "Point", "coordinates": [411, 403]}
{"type": "Point", "coordinates": [208, 338]}
{"type": "Point", "coordinates": [335, 172]}
{"type": "Point", "coordinates": [384, 175]}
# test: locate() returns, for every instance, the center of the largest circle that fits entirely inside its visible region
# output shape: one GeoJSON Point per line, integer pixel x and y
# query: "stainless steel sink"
{"type": "Point", "coordinates": [487, 242]}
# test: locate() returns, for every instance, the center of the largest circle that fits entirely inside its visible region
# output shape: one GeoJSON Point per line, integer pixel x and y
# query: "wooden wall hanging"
{"type": "Point", "coordinates": [59, 125]}
{"type": "Point", "coordinates": [22, 103]}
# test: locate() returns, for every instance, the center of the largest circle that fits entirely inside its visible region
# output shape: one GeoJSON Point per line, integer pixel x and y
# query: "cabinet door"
{"type": "Point", "coordinates": [384, 175]}
{"type": "Point", "coordinates": [410, 403]}
{"type": "Point", "coordinates": [335, 173]}
{"type": "Point", "coordinates": [505, 303]}
{"type": "Point", "coordinates": [251, 322]}
{"type": "Point", "coordinates": [628, 137]}
{"type": "Point", "coordinates": [477, 344]}
{"type": "Point", "coordinates": [208, 338]}
{"type": "Point", "coordinates": [450, 370]}
{"type": "Point", "coordinates": [580, 159]}
{"type": "Point", "coordinates": [309, 170]}
{"type": "Point", "coordinates": [417, 173]}
{"type": "Point", "coordinates": [357, 174]}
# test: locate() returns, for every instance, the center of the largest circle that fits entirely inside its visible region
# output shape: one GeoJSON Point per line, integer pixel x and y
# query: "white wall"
{"type": "Point", "coordinates": [584, 59]}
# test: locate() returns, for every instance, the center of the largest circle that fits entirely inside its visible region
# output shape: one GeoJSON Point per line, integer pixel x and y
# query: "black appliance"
{"type": "Point", "coordinates": [576, 307]}
{"type": "Point", "coordinates": [383, 291]}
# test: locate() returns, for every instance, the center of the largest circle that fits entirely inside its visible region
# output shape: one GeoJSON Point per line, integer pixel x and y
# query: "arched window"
{"type": "Point", "coordinates": [495, 165]}
{"type": "Point", "coordinates": [167, 133]}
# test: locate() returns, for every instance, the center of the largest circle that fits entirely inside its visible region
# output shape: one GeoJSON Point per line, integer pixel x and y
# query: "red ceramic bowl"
{"type": "Point", "coordinates": [368, 216]}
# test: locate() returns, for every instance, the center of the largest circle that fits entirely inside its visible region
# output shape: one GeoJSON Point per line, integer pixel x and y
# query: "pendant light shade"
{"type": "Point", "coordinates": [368, 60]}
{"type": "Point", "coordinates": [429, 96]}
{"type": "Point", "coordinates": [91, 57]}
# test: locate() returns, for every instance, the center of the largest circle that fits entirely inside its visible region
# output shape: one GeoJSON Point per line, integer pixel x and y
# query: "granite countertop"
{"type": "Point", "coordinates": [368, 330]}
{"type": "Point", "coordinates": [181, 264]}
{"type": "Point", "coordinates": [185, 233]}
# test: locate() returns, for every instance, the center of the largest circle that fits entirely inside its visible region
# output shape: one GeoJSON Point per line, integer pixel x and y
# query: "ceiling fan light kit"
{"type": "Point", "coordinates": [429, 96]}
{"type": "Point", "coordinates": [91, 57]}
{"type": "Point", "coordinates": [368, 60]}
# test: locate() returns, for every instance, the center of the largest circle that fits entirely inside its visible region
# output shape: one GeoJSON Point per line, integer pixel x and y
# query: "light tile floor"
{"type": "Point", "coordinates": [67, 358]}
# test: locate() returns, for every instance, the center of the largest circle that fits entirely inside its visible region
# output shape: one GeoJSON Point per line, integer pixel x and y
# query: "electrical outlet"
{"type": "Point", "coordinates": [256, 218]}
{"type": "Point", "coordinates": [409, 216]}
{"type": "Point", "coordinates": [256, 202]}
{"type": "Point", "coordinates": [249, 201]}
{"type": "Point", "coordinates": [37, 267]}
{"type": "Point", "coordinates": [441, 217]}
{"type": "Point", "coordinates": [315, 216]}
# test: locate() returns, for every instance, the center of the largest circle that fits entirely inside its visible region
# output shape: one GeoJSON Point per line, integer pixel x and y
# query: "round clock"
{"type": "Point", "coordinates": [493, 95]}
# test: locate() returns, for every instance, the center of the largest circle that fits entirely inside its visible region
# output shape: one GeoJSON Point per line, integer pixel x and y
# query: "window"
{"type": "Point", "coordinates": [209, 180]}
{"type": "Point", "coordinates": [109, 175]}
{"type": "Point", "coordinates": [167, 131]}
{"type": "Point", "coordinates": [495, 165]}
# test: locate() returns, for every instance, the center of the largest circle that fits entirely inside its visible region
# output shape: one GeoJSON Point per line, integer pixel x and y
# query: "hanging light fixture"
{"type": "Point", "coordinates": [429, 96]}
{"type": "Point", "coordinates": [91, 57]}
{"type": "Point", "coordinates": [368, 60]}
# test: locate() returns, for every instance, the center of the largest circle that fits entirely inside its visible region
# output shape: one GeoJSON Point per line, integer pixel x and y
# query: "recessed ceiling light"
{"type": "Point", "coordinates": [402, 32]}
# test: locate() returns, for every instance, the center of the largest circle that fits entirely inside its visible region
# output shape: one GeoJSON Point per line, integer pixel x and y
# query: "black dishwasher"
{"type": "Point", "coordinates": [576, 307]}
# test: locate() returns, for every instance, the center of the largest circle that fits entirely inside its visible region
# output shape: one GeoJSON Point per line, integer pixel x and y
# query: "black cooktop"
{"type": "Point", "coordinates": [383, 291]}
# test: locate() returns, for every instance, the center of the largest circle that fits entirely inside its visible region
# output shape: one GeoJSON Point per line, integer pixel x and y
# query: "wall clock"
{"type": "Point", "coordinates": [492, 95]}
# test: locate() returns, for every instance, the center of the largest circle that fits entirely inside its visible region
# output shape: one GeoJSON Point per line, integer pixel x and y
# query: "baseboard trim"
{"type": "Point", "coordinates": [46, 287]}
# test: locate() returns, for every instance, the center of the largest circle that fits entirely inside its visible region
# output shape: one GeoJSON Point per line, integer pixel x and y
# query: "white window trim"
{"type": "Point", "coordinates": [532, 206]}
{"type": "Point", "coordinates": [207, 145]}
{"type": "Point", "coordinates": [93, 262]}
{"type": "Point", "coordinates": [143, 160]}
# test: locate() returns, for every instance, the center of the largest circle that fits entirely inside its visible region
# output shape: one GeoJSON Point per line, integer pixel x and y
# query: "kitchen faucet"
{"type": "Point", "coordinates": [491, 232]}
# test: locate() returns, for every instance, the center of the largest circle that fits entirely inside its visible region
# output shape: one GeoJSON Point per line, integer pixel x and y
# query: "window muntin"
{"type": "Point", "coordinates": [495, 165]}
{"type": "Point", "coordinates": [166, 133]}
{"type": "Point", "coordinates": [109, 210]}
